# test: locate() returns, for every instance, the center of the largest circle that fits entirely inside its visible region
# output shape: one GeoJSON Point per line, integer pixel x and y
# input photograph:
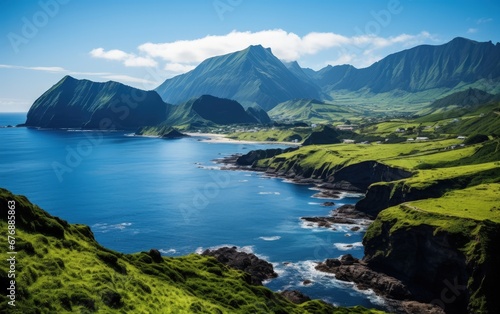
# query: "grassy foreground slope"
{"type": "Point", "coordinates": [60, 268]}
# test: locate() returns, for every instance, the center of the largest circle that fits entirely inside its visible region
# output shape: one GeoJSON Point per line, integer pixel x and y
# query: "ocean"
{"type": "Point", "coordinates": [138, 193]}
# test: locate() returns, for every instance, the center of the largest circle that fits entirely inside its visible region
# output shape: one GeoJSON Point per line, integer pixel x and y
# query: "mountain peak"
{"type": "Point", "coordinates": [252, 76]}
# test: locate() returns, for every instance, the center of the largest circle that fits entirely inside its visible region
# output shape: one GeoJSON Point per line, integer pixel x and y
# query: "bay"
{"type": "Point", "coordinates": [139, 193]}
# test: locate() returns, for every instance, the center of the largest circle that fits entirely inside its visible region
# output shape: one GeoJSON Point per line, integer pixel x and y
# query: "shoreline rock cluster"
{"type": "Point", "coordinates": [397, 295]}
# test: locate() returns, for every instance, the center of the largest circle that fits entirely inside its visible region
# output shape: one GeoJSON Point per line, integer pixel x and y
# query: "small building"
{"type": "Point", "coordinates": [345, 127]}
{"type": "Point", "coordinates": [461, 137]}
{"type": "Point", "coordinates": [410, 140]}
{"type": "Point", "coordinates": [421, 138]}
{"type": "Point", "coordinates": [349, 141]}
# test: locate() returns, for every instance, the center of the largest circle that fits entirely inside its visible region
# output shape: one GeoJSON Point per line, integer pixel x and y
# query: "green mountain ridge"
{"type": "Point", "coordinates": [253, 76]}
{"type": "Point", "coordinates": [420, 68]}
{"type": "Point", "coordinates": [73, 103]}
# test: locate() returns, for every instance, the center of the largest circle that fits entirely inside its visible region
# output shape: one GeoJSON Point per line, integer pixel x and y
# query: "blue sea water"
{"type": "Point", "coordinates": [138, 193]}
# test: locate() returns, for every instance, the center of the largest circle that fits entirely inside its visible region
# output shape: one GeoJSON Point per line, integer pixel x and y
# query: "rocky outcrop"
{"type": "Point", "coordinates": [349, 268]}
{"type": "Point", "coordinates": [295, 296]}
{"type": "Point", "coordinates": [345, 214]}
{"type": "Point", "coordinates": [73, 103]}
{"type": "Point", "coordinates": [452, 268]}
{"type": "Point", "coordinates": [397, 294]}
{"type": "Point", "coordinates": [258, 269]}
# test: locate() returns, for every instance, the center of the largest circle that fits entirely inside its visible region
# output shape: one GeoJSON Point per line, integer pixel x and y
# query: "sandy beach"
{"type": "Point", "coordinates": [222, 138]}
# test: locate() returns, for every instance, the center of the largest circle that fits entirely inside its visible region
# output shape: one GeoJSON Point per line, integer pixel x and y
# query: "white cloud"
{"type": "Point", "coordinates": [127, 78]}
{"type": "Point", "coordinates": [484, 20]}
{"type": "Point", "coordinates": [183, 55]}
{"type": "Point", "coordinates": [128, 59]}
{"type": "Point", "coordinates": [472, 30]}
{"type": "Point", "coordinates": [102, 75]}
{"type": "Point", "coordinates": [45, 69]}
{"type": "Point", "coordinates": [178, 67]}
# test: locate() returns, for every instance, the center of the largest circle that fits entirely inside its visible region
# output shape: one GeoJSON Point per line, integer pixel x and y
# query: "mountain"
{"type": "Point", "coordinates": [312, 111]}
{"type": "Point", "coordinates": [208, 110]}
{"type": "Point", "coordinates": [259, 114]}
{"type": "Point", "coordinates": [73, 103]}
{"type": "Point", "coordinates": [420, 68]}
{"type": "Point", "coordinates": [253, 76]}
{"type": "Point", "coordinates": [467, 98]}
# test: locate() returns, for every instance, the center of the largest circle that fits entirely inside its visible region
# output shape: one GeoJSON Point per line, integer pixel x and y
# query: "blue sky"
{"type": "Point", "coordinates": [141, 43]}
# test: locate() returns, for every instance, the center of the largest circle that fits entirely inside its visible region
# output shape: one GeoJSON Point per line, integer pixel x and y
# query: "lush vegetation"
{"type": "Point", "coordinates": [60, 268]}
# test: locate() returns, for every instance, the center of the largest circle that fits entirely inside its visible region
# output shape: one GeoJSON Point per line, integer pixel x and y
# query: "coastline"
{"type": "Point", "coordinates": [222, 138]}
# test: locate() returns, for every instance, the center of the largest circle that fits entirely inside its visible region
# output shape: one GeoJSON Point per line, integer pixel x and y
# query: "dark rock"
{"type": "Point", "coordinates": [356, 228]}
{"type": "Point", "coordinates": [328, 204]}
{"type": "Point", "coordinates": [295, 296]}
{"type": "Point", "coordinates": [348, 259]}
{"type": "Point", "coordinates": [155, 255]}
{"type": "Point", "coordinates": [257, 268]}
{"type": "Point", "coordinates": [307, 282]}
{"type": "Point", "coordinates": [349, 268]}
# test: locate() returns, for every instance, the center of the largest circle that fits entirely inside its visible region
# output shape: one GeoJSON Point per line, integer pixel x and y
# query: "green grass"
{"type": "Point", "coordinates": [273, 134]}
{"type": "Point", "coordinates": [407, 155]}
{"type": "Point", "coordinates": [479, 202]}
{"type": "Point", "coordinates": [62, 269]}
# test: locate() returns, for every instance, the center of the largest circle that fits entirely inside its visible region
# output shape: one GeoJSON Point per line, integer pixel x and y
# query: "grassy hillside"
{"type": "Point", "coordinates": [278, 134]}
{"type": "Point", "coordinates": [314, 111]}
{"type": "Point", "coordinates": [60, 268]}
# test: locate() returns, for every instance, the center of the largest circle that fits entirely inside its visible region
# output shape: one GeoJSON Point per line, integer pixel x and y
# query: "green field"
{"type": "Point", "coordinates": [479, 202]}
{"type": "Point", "coordinates": [273, 134]}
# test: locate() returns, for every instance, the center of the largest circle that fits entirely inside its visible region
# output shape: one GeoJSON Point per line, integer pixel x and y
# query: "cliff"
{"type": "Point", "coordinates": [426, 184]}
{"type": "Point", "coordinates": [444, 260]}
{"type": "Point", "coordinates": [73, 103]}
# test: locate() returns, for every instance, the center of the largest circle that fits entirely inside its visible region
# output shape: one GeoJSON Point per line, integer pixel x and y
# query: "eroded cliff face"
{"type": "Point", "coordinates": [356, 177]}
{"type": "Point", "coordinates": [453, 268]}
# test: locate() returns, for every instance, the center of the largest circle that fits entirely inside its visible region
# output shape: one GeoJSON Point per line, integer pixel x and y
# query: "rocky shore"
{"type": "Point", "coordinates": [398, 297]}
{"type": "Point", "coordinates": [345, 214]}
{"type": "Point", "coordinates": [258, 269]}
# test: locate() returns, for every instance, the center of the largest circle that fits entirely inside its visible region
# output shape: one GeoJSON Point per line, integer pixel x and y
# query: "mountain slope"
{"type": "Point", "coordinates": [468, 98]}
{"type": "Point", "coordinates": [311, 110]}
{"type": "Point", "coordinates": [208, 109]}
{"type": "Point", "coordinates": [73, 103]}
{"type": "Point", "coordinates": [420, 68]}
{"type": "Point", "coordinates": [253, 76]}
